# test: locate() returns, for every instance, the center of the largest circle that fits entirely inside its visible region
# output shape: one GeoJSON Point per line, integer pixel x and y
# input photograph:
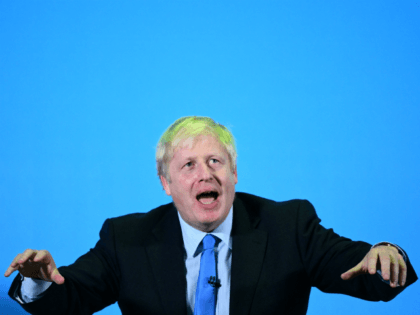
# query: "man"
{"type": "Point", "coordinates": [264, 256]}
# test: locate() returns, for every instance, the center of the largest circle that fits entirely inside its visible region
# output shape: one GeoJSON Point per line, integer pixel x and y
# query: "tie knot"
{"type": "Point", "coordinates": [209, 241]}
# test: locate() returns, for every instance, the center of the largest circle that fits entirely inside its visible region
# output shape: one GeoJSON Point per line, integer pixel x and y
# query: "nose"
{"type": "Point", "coordinates": [204, 172]}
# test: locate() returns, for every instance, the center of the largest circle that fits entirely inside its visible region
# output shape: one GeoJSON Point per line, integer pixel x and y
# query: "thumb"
{"type": "Point", "coordinates": [353, 272]}
{"type": "Point", "coordinates": [57, 277]}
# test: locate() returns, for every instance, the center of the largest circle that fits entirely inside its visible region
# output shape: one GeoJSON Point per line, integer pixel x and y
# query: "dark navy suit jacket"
{"type": "Point", "coordinates": [279, 251]}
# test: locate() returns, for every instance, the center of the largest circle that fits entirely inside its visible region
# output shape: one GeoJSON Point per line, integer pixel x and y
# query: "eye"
{"type": "Point", "coordinates": [188, 164]}
{"type": "Point", "coordinates": [215, 160]}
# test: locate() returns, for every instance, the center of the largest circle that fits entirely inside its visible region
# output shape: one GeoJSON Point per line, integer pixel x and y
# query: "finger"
{"type": "Point", "coordinates": [353, 272]}
{"type": "Point", "coordinates": [49, 268]}
{"type": "Point", "coordinates": [394, 271]}
{"type": "Point", "coordinates": [15, 260]}
{"type": "Point", "coordinates": [13, 266]}
{"type": "Point", "coordinates": [57, 277]}
{"type": "Point", "coordinates": [372, 261]}
{"type": "Point", "coordinates": [10, 270]}
{"type": "Point", "coordinates": [42, 256]}
{"type": "Point", "coordinates": [385, 260]}
{"type": "Point", "coordinates": [403, 270]}
{"type": "Point", "coordinates": [27, 254]}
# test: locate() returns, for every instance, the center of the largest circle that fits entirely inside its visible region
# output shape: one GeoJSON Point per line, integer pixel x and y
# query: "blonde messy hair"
{"type": "Point", "coordinates": [191, 127]}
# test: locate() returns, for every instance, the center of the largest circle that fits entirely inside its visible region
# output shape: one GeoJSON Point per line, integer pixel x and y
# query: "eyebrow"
{"type": "Point", "coordinates": [207, 156]}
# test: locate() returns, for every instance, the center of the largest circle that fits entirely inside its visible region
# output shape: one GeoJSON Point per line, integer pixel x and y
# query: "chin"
{"type": "Point", "coordinates": [208, 226]}
{"type": "Point", "coordinates": [212, 217]}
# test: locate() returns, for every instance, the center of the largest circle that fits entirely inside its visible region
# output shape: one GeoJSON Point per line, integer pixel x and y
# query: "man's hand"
{"type": "Point", "coordinates": [384, 258]}
{"type": "Point", "coordinates": [37, 264]}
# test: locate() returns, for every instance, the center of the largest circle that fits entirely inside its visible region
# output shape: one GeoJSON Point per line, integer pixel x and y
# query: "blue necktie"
{"type": "Point", "coordinates": [205, 295]}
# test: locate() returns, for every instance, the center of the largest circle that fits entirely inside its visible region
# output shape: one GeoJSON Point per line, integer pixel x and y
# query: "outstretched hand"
{"type": "Point", "coordinates": [37, 264]}
{"type": "Point", "coordinates": [383, 258]}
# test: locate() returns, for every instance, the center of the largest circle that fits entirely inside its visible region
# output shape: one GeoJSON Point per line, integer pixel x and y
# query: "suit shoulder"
{"type": "Point", "coordinates": [139, 222]}
{"type": "Point", "coordinates": [282, 217]}
{"type": "Point", "coordinates": [256, 202]}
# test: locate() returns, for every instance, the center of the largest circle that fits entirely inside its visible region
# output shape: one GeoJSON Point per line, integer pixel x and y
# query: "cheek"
{"type": "Point", "coordinates": [230, 180]}
{"type": "Point", "coordinates": [182, 191]}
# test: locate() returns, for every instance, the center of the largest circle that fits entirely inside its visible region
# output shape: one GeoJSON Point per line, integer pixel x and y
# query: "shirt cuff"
{"type": "Point", "coordinates": [400, 251]}
{"type": "Point", "coordinates": [33, 289]}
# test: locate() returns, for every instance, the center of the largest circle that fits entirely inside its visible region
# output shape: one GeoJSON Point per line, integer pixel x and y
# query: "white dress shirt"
{"type": "Point", "coordinates": [192, 238]}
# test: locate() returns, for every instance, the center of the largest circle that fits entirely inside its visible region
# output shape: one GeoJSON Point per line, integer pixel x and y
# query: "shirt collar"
{"type": "Point", "coordinates": [192, 237]}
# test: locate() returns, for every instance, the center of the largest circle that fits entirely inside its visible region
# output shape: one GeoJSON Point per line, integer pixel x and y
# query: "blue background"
{"type": "Point", "coordinates": [322, 96]}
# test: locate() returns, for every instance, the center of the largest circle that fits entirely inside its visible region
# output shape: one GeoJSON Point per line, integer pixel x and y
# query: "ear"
{"type": "Point", "coordinates": [165, 185]}
{"type": "Point", "coordinates": [235, 175]}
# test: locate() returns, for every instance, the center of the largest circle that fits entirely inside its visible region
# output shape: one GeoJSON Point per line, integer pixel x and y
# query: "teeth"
{"type": "Point", "coordinates": [206, 201]}
{"type": "Point", "coordinates": [208, 197]}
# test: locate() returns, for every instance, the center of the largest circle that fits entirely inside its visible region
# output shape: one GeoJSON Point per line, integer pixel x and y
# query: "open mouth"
{"type": "Point", "coordinates": [207, 197]}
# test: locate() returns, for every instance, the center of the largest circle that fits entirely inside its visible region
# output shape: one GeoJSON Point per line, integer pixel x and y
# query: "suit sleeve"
{"type": "Point", "coordinates": [326, 255]}
{"type": "Point", "coordinates": [91, 282]}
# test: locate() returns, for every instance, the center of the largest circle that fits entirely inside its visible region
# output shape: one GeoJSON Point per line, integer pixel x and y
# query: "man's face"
{"type": "Point", "coordinates": [202, 183]}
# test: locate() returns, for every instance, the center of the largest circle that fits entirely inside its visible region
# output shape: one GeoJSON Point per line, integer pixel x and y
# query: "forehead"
{"type": "Point", "coordinates": [201, 145]}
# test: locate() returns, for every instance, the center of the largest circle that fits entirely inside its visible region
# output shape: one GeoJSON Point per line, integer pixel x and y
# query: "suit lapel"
{"type": "Point", "coordinates": [166, 254]}
{"type": "Point", "coordinates": [248, 250]}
